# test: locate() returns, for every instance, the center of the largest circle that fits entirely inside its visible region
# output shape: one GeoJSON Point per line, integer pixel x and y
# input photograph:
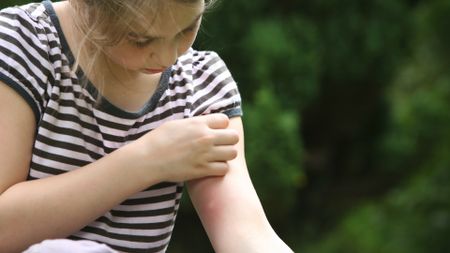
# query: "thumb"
{"type": "Point", "coordinates": [216, 120]}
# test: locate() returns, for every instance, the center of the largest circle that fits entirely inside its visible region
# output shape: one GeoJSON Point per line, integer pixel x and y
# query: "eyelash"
{"type": "Point", "coordinates": [143, 44]}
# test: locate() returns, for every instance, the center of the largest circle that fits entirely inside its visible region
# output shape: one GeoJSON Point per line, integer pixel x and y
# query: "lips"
{"type": "Point", "coordinates": [153, 71]}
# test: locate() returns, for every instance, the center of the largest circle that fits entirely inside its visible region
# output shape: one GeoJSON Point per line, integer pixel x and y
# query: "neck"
{"type": "Point", "coordinates": [119, 77]}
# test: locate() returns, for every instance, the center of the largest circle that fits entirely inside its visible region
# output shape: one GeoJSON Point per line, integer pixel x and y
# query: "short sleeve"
{"type": "Point", "coordinates": [24, 64]}
{"type": "Point", "coordinates": [214, 89]}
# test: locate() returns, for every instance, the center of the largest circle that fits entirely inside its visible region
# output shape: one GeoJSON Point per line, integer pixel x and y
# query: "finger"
{"type": "Point", "coordinates": [222, 154]}
{"type": "Point", "coordinates": [218, 168]}
{"type": "Point", "coordinates": [225, 137]}
{"type": "Point", "coordinates": [216, 120]}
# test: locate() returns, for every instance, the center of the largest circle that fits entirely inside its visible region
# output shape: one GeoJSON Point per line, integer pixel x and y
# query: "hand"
{"type": "Point", "coordinates": [186, 149]}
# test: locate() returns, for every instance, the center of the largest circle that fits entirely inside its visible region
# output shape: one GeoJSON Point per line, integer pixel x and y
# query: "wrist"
{"type": "Point", "coordinates": [135, 159]}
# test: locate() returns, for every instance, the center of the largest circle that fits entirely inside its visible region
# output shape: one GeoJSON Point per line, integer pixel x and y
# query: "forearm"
{"type": "Point", "coordinates": [240, 227]}
{"type": "Point", "coordinates": [230, 210]}
{"type": "Point", "coordinates": [61, 205]}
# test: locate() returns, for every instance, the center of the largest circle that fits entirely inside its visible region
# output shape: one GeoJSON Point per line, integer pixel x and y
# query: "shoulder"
{"type": "Point", "coordinates": [199, 60]}
{"type": "Point", "coordinates": [28, 25]}
{"type": "Point", "coordinates": [211, 84]}
{"type": "Point", "coordinates": [27, 43]}
{"type": "Point", "coordinates": [29, 15]}
{"type": "Point", "coordinates": [26, 34]}
{"type": "Point", "coordinates": [201, 66]}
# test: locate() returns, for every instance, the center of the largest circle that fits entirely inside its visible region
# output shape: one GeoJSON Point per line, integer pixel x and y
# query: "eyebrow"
{"type": "Point", "coordinates": [150, 37]}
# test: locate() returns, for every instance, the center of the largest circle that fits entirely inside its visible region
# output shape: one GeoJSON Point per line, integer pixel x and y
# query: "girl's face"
{"type": "Point", "coordinates": [157, 47]}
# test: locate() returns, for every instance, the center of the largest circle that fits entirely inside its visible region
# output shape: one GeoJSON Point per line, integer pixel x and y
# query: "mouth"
{"type": "Point", "coordinates": [153, 71]}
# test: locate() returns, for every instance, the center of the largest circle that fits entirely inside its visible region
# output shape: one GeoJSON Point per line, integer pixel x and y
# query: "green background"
{"type": "Point", "coordinates": [347, 131]}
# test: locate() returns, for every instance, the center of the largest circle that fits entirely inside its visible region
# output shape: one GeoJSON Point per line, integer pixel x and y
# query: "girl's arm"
{"type": "Point", "coordinates": [57, 206]}
{"type": "Point", "coordinates": [230, 210]}
{"type": "Point", "coordinates": [31, 211]}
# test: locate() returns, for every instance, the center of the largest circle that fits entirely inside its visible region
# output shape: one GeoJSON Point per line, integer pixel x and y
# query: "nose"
{"type": "Point", "coordinates": [166, 54]}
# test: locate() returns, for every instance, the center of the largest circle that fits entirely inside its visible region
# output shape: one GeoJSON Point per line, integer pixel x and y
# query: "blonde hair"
{"type": "Point", "coordinates": [104, 23]}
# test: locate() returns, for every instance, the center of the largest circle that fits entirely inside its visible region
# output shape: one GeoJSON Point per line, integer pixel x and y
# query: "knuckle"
{"type": "Point", "coordinates": [206, 140]}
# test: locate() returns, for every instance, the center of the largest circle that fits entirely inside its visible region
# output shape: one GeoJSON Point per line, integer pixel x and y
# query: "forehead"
{"type": "Point", "coordinates": [167, 17]}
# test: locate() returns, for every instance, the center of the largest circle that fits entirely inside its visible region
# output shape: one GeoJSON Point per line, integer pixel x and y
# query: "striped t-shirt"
{"type": "Point", "coordinates": [74, 129]}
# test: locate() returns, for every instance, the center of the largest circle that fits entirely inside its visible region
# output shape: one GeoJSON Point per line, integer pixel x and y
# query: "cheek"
{"type": "Point", "coordinates": [186, 42]}
{"type": "Point", "coordinates": [127, 56]}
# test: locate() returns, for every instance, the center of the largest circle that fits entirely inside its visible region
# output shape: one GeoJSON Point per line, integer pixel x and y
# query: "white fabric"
{"type": "Point", "coordinates": [69, 246]}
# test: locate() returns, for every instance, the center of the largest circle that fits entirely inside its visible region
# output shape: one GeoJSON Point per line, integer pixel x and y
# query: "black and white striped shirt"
{"type": "Point", "coordinates": [73, 130]}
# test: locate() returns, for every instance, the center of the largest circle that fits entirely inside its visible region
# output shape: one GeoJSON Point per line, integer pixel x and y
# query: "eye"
{"type": "Point", "coordinates": [138, 41]}
{"type": "Point", "coordinates": [141, 44]}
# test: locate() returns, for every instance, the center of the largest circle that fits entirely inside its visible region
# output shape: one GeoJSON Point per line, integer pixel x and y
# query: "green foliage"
{"type": "Point", "coordinates": [6, 3]}
{"type": "Point", "coordinates": [419, 98]}
{"type": "Point", "coordinates": [434, 23]}
{"type": "Point", "coordinates": [361, 39]}
{"type": "Point", "coordinates": [283, 57]}
{"type": "Point", "coordinates": [266, 45]}
{"type": "Point", "coordinates": [273, 151]}
{"type": "Point", "coordinates": [413, 219]}
{"type": "Point", "coordinates": [415, 216]}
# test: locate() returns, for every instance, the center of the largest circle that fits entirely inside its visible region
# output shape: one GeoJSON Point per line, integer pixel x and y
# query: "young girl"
{"type": "Point", "coordinates": [105, 110]}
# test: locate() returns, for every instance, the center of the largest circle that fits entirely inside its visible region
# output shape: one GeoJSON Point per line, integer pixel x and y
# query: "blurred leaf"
{"type": "Point", "coordinates": [273, 152]}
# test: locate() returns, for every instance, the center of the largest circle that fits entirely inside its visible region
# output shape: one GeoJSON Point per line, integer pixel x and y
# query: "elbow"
{"type": "Point", "coordinates": [5, 239]}
{"type": "Point", "coordinates": [9, 244]}
{"type": "Point", "coordinates": [5, 242]}
{"type": "Point", "coordinates": [11, 236]}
